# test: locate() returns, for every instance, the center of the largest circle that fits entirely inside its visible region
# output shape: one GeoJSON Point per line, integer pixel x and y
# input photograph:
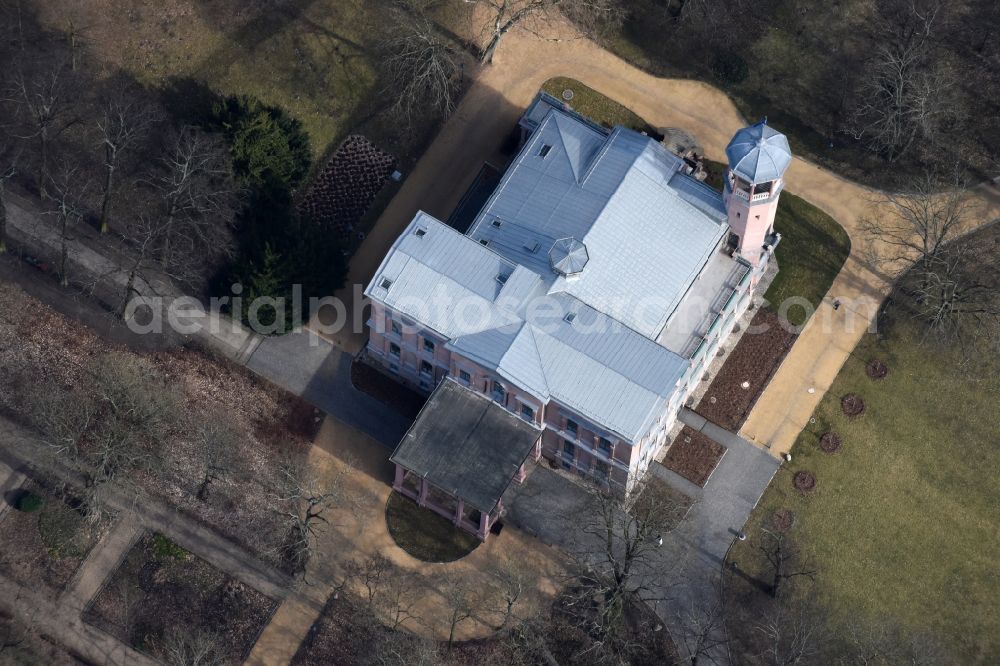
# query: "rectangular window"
{"type": "Point", "coordinates": [499, 392]}
{"type": "Point", "coordinates": [425, 368]}
{"type": "Point", "coordinates": [428, 346]}
{"type": "Point", "coordinates": [572, 427]}
{"type": "Point", "coordinates": [601, 471]}
{"type": "Point", "coordinates": [604, 445]}
{"type": "Point", "coordinates": [396, 328]}
{"type": "Point", "coordinates": [569, 450]}
{"type": "Point", "coordinates": [527, 413]}
{"type": "Point", "coordinates": [464, 377]}
{"type": "Point", "coordinates": [394, 349]}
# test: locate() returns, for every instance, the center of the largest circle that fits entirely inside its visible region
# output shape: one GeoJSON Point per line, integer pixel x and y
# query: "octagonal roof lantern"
{"type": "Point", "coordinates": [759, 153]}
{"type": "Point", "coordinates": [568, 256]}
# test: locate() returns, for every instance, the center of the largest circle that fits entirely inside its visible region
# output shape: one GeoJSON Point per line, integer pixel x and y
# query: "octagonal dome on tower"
{"type": "Point", "coordinates": [568, 256]}
{"type": "Point", "coordinates": [759, 153]}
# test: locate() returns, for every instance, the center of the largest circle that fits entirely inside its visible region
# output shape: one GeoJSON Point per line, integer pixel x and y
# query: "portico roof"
{"type": "Point", "coordinates": [466, 445]}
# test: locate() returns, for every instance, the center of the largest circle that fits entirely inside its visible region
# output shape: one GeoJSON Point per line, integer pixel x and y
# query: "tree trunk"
{"type": "Point", "coordinates": [112, 158]}
{"type": "Point", "coordinates": [43, 171]}
{"type": "Point", "coordinates": [3, 217]}
{"type": "Point", "coordinates": [491, 48]}
{"type": "Point", "coordinates": [129, 287]}
{"type": "Point", "coordinates": [64, 251]}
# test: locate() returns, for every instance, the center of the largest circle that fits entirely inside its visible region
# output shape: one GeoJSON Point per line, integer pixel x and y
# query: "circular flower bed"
{"type": "Point", "coordinates": [853, 405]}
{"type": "Point", "coordinates": [782, 520]}
{"type": "Point", "coordinates": [877, 369]}
{"type": "Point", "coordinates": [830, 442]}
{"type": "Point", "coordinates": [805, 482]}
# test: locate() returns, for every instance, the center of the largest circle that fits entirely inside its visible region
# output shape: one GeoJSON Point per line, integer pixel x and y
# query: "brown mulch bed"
{"type": "Point", "coordinates": [782, 520]}
{"type": "Point", "coordinates": [830, 442]}
{"type": "Point", "coordinates": [694, 456]}
{"type": "Point", "coordinates": [754, 360]}
{"type": "Point", "coordinates": [853, 405]}
{"type": "Point", "coordinates": [804, 482]}
{"type": "Point", "coordinates": [877, 369]}
{"type": "Point", "coordinates": [160, 586]}
{"type": "Point", "coordinates": [385, 389]}
{"type": "Point", "coordinates": [340, 194]}
{"type": "Point", "coordinates": [46, 547]}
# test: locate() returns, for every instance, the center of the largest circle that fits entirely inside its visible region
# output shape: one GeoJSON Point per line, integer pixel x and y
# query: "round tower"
{"type": "Point", "coordinates": [758, 156]}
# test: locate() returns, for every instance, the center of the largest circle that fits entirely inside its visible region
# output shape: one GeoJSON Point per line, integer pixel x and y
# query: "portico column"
{"type": "Point", "coordinates": [422, 501]}
{"type": "Point", "coordinates": [538, 450]}
{"type": "Point", "coordinates": [400, 473]}
{"type": "Point", "coordinates": [519, 477]}
{"type": "Point", "coordinates": [459, 511]}
{"type": "Point", "coordinates": [484, 525]}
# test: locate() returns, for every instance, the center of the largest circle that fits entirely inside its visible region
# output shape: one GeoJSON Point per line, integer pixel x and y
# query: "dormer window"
{"type": "Point", "coordinates": [570, 316]}
{"type": "Point", "coordinates": [420, 233]}
{"type": "Point", "coordinates": [386, 283]}
{"type": "Point", "coordinates": [533, 247]}
{"type": "Point", "coordinates": [484, 242]}
{"type": "Point", "coordinates": [496, 222]}
{"type": "Point", "coordinates": [544, 150]}
{"type": "Point", "coordinates": [502, 278]}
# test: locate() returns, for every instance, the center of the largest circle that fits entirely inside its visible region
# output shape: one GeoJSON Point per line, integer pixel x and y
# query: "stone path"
{"type": "Point", "coordinates": [101, 562]}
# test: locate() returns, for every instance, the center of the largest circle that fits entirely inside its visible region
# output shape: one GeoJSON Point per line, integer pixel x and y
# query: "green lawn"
{"type": "Point", "coordinates": [596, 106]}
{"type": "Point", "coordinates": [903, 523]}
{"type": "Point", "coordinates": [424, 534]}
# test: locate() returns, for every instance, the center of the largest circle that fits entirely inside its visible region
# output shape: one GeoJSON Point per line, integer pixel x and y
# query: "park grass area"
{"type": "Point", "coordinates": [596, 106]}
{"type": "Point", "coordinates": [902, 524]}
{"type": "Point", "coordinates": [424, 534]}
{"type": "Point", "coordinates": [812, 250]}
{"type": "Point", "coordinates": [318, 59]}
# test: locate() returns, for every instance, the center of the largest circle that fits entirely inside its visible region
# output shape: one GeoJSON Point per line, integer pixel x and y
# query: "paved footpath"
{"type": "Point", "coordinates": [102, 561]}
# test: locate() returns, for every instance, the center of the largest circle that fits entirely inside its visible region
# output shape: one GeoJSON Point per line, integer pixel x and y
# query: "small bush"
{"type": "Point", "coordinates": [730, 68]}
{"type": "Point", "coordinates": [62, 530]}
{"type": "Point", "coordinates": [28, 502]}
{"type": "Point", "coordinates": [165, 549]}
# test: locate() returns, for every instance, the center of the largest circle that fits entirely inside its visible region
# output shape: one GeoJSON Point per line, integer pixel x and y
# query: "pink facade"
{"type": "Point", "coordinates": [751, 211]}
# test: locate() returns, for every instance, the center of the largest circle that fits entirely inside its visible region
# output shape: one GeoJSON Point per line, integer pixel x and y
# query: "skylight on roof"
{"type": "Point", "coordinates": [386, 283]}
{"type": "Point", "coordinates": [544, 150]}
{"type": "Point", "coordinates": [483, 241]}
{"type": "Point", "coordinates": [502, 278]}
{"type": "Point", "coordinates": [570, 316]}
{"type": "Point", "coordinates": [533, 248]}
{"type": "Point", "coordinates": [496, 222]}
{"type": "Point", "coordinates": [420, 232]}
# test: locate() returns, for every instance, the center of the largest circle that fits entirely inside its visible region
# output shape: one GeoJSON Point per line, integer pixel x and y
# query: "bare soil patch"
{"type": "Point", "coordinates": [694, 456]}
{"type": "Point", "coordinates": [782, 520]}
{"type": "Point", "coordinates": [830, 442]}
{"type": "Point", "coordinates": [804, 481]}
{"type": "Point", "coordinates": [385, 389]}
{"type": "Point", "coordinates": [161, 587]}
{"type": "Point", "coordinates": [876, 369]}
{"type": "Point", "coordinates": [753, 362]}
{"type": "Point", "coordinates": [853, 405]}
{"type": "Point", "coordinates": [47, 546]}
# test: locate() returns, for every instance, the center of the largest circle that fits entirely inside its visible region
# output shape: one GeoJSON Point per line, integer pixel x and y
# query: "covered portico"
{"type": "Point", "coordinates": [461, 454]}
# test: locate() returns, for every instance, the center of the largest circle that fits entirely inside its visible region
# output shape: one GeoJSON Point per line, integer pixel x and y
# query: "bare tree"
{"type": "Point", "coordinates": [905, 91]}
{"type": "Point", "coordinates": [783, 558]}
{"type": "Point", "coordinates": [462, 598]}
{"type": "Point", "coordinates": [125, 118]}
{"type": "Point", "coordinates": [422, 67]}
{"type": "Point", "coordinates": [44, 99]}
{"type": "Point", "coordinates": [621, 538]}
{"type": "Point", "coordinates": [217, 442]}
{"type": "Point", "coordinates": [703, 630]}
{"type": "Point", "coordinates": [398, 648]}
{"type": "Point", "coordinates": [191, 647]}
{"type": "Point", "coordinates": [8, 169]}
{"type": "Point", "coordinates": [197, 194]}
{"type": "Point", "coordinates": [791, 635]}
{"type": "Point", "coordinates": [401, 590]}
{"type": "Point", "coordinates": [302, 500]}
{"type": "Point", "coordinates": [66, 194]}
{"type": "Point", "coordinates": [502, 16]}
{"type": "Point", "coordinates": [512, 580]}
{"type": "Point", "coordinates": [371, 572]}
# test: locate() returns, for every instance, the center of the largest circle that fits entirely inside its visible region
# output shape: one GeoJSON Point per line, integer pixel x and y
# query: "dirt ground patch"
{"type": "Point", "coordinates": [161, 587]}
{"type": "Point", "coordinates": [747, 371]}
{"type": "Point", "coordinates": [47, 546]}
{"type": "Point", "coordinates": [694, 456]}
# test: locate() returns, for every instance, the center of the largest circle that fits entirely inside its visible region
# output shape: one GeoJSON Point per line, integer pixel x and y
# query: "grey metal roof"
{"type": "Point", "coordinates": [759, 153]}
{"type": "Point", "coordinates": [568, 256]}
{"type": "Point", "coordinates": [466, 445]}
{"type": "Point", "coordinates": [647, 230]}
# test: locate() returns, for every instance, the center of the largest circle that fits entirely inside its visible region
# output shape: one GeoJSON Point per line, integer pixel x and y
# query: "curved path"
{"type": "Point", "coordinates": [490, 110]}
